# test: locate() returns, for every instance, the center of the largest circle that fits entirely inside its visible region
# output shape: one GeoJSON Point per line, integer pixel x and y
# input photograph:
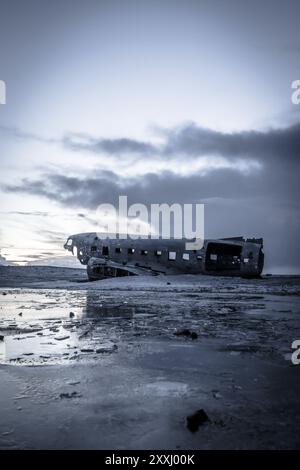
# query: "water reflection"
{"type": "Point", "coordinates": [96, 308]}
{"type": "Point", "coordinates": [58, 326]}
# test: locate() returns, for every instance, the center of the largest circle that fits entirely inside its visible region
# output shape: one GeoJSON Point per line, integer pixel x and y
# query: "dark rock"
{"type": "Point", "coordinates": [187, 333]}
{"type": "Point", "coordinates": [168, 283]}
{"type": "Point", "coordinates": [196, 420]}
{"type": "Point", "coordinates": [1, 338]}
{"type": "Point", "coordinates": [20, 314]}
{"type": "Point", "coordinates": [106, 350]}
{"type": "Point", "coordinates": [87, 350]}
{"type": "Point", "coordinates": [4, 293]}
{"type": "Point", "coordinates": [72, 315]}
{"type": "Point", "coordinates": [182, 333]}
{"type": "Point", "coordinates": [70, 395]}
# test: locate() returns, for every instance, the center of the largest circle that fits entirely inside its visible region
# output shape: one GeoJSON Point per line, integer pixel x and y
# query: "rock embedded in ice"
{"type": "Point", "coordinates": [70, 395]}
{"type": "Point", "coordinates": [196, 420]}
{"type": "Point", "coordinates": [187, 333]}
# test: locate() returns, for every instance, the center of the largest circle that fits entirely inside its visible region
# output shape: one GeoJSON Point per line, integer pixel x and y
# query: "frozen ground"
{"type": "Point", "coordinates": [112, 375]}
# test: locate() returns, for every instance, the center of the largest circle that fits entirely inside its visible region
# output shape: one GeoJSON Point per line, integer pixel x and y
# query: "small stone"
{"type": "Point", "coordinates": [70, 395]}
{"type": "Point", "coordinates": [187, 333]}
{"type": "Point", "coordinates": [71, 314]}
{"type": "Point", "coordinates": [20, 314]}
{"type": "Point", "coordinates": [87, 350]}
{"type": "Point", "coordinates": [4, 293]}
{"type": "Point", "coordinates": [61, 338]}
{"type": "Point", "coordinates": [1, 338]}
{"type": "Point", "coordinates": [196, 420]}
{"type": "Point", "coordinates": [184, 332]}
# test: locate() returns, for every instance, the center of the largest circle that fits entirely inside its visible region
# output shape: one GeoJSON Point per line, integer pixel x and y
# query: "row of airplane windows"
{"type": "Point", "coordinates": [131, 251]}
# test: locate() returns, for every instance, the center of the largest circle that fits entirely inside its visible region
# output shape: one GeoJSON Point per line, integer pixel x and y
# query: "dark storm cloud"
{"type": "Point", "coordinates": [193, 141]}
{"type": "Point", "coordinates": [109, 146]}
{"type": "Point", "coordinates": [189, 140]}
{"type": "Point", "coordinates": [89, 192]}
{"type": "Point", "coordinates": [278, 151]}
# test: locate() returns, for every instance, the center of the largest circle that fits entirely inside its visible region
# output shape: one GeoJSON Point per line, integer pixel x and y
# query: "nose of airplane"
{"type": "Point", "coordinates": [69, 244]}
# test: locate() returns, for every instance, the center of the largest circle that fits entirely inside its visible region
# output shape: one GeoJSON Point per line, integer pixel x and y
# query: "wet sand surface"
{"type": "Point", "coordinates": [98, 366]}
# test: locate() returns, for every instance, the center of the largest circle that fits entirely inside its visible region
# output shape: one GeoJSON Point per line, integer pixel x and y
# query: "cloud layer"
{"type": "Point", "coordinates": [256, 194]}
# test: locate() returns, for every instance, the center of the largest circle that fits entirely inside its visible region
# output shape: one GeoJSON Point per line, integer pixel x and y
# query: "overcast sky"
{"type": "Point", "coordinates": [162, 100]}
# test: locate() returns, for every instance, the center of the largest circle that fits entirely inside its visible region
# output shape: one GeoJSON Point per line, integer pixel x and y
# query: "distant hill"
{"type": "Point", "coordinates": [4, 262]}
{"type": "Point", "coordinates": [58, 261]}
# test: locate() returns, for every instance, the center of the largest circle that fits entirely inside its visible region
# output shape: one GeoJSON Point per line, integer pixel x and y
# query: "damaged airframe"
{"type": "Point", "coordinates": [105, 257]}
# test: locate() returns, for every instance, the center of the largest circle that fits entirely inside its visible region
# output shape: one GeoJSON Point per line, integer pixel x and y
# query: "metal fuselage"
{"type": "Point", "coordinates": [120, 257]}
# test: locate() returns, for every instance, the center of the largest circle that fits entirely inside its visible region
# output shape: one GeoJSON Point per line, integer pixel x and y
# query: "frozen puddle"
{"type": "Point", "coordinates": [167, 389]}
{"type": "Point", "coordinates": [38, 328]}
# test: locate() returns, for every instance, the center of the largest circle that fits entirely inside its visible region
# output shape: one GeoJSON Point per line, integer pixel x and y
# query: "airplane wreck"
{"type": "Point", "coordinates": [117, 257]}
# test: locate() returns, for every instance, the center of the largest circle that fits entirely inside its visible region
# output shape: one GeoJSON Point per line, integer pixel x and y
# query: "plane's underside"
{"type": "Point", "coordinates": [124, 257]}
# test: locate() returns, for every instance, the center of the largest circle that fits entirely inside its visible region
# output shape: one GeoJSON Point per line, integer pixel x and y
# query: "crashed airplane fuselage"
{"type": "Point", "coordinates": [126, 257]}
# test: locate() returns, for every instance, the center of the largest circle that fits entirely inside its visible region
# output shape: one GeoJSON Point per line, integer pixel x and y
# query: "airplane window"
{"type": "Point", "coordinates": [105, 251]}
{"type": "Point", "coordinates": [158, 252]}
{"type": "Point", "coordinates": [186, 256]}
{"type": "Point", "coordinates": [130, 251]}
{"type": "Point", "coordinates": [172, 255]}
{"type": "Point", "coordinates": [118, 249]}
{"type": "Point", "coordinates": [69, 242]}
